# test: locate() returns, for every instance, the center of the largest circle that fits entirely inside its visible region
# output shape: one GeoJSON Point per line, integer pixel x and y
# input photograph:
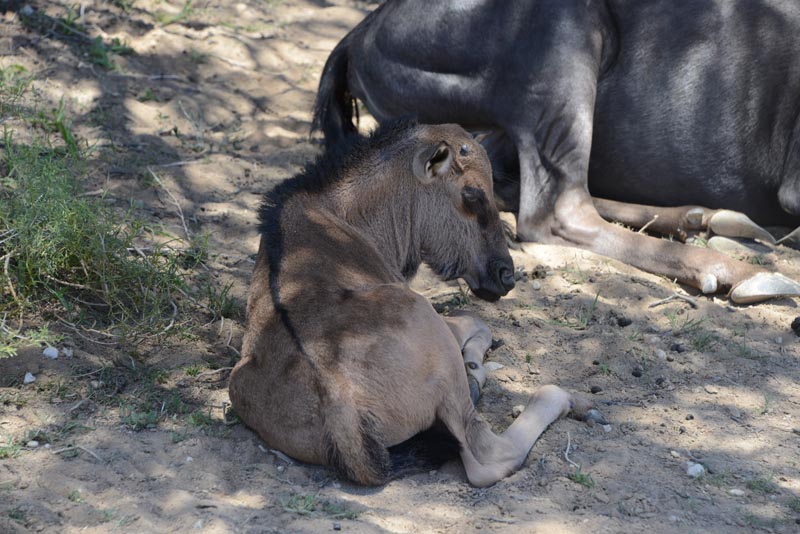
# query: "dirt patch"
{"type": "Point", "coordinates": [216, 101]}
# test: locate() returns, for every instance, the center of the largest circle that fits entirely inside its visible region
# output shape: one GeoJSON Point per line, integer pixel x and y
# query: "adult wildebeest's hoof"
{"type": "Point", "coordinates": [764, 286]}
{"type": "Point", "coordinates": [792, 239]}
{"type": "Point", "coordinates": [737, 246]}
{"type": "Point", "coordinates": [735, 224]}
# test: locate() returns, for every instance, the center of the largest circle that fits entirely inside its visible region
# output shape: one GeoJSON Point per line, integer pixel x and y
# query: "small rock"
{"type": "Point", "coordinates": [596, 389]}
{"type": "Point", "coordinates": [675, 454]}
{"type": "Point", "coordinates": [518, 409]}
{"type": "Point", "coordinates": [637, 371]}
{"type": "Point", "coordinates": [673, 519]}
{"type": "Point", "coordinates": [736, 492]}
{"type": "Point", "coordinates": [689, 417]}
{"type": "Point", "coordinates": [28, 378]}
{"type": "Point", "coordinates": [96, 384]}
{"type": "Point", "coordinates": [32, 444]}
{"type": "Point", "coordinates": [606, 428]}
{"type": "Point", "coordinates": [654, 340]}
{"type": "Point", "coordinates": [677, 347]}
{"type": "Point", "coordinates": [336, 485]}
{"type": "Point", "coordinates": [432, 473]}
{"type": "Point", "coordinates": [660, 381]}
{"type": "Point", "coordinates": [710, 389]}
{"type": "Point", "coordinates": [26, 11]}
{"type": "Point", "coordinates": [670, 358]}
{"type": "Point", "coordinates": [682, 429]}
{"type": "Point", "coordinates": [540, 271]}
{"type": "Point", "coordinates": [536, 285]}
{"type": "Point", "coordinates": [189, 459]}
{"type": "Point", "coordinates": [50, 352]}
{"type": "Point", "coordinates": [695, 470]}
{"type": "Point", "coordinates": [493, 366]}
{"type": "Point", "coordinates": [623, 321]}
{"type": "Point", "coordinates": [280, 469]}
{"type": "Point", "coordinates": [337, 526]}
{"type": "Point", "coordinates": [779, 340]}
{"type": "Point", "coordinates": [198, 524]}
{"type": "Point", "coordinates": [67, 352]}
{"type": "Point", "coordinates": [520, 274]}
{"type": "Point", "coordinates": [734, 412]}
{"type": "Point", "coordinates": [661, 355]}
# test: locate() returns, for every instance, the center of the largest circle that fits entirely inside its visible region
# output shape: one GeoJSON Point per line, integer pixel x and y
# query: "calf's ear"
{"type": "Point", "coordinates": [431, 163]}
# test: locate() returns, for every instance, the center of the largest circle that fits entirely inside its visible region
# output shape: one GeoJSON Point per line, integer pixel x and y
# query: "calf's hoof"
{"type": "Point", "coordinates": [582, 409]}
{"type": "Point", "coordinates": [764, 286]}
{"type": "Point", "coordinates": [474, 389]}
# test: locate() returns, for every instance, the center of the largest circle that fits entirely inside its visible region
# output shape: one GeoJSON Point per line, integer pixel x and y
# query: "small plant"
{"type": "Point", "coordinates": [12, 339]}
{"type": "Point", "coordinates": [193, 370]}
{"type": "Point", "coordinates": [765, 407]}
{"type": "Point", "coordinates": [197, 58]}
{"type": "Point", "coordinates": [604, 368]}
{"type": "Point", "coordinates": [165, 19]}
{"type": "Point", "coordinates": [703, 340]}
{"type": "Point", "coordinates": [147, 96]}
{"type": "Point", "coordinates": [75, 496]}
{"type": "Point", "coordinates": [682, 324]}
{"type": "Point", "coordinates": [528, 358]}
{"type": "Point", "coordinates": [140, 420]}
{"type": "Point", "coordinates": [18, 515]}
{"type": "Point", "coordinates": [794, 504]}
{"type": "Point", "coordinates": [582, 318]}
{"type": "Point", "coordinates": [10, 450]}
{"type": "Point", "coordinates": [308, 504]}
{"type": "Point", "coordinates": [220, 302]}
{"type": "Point", "coordinates": [199, 419]}
{"type": "Point", "coordinates": [761, 484]}
{"type": "Point", "coordinates": [579, 477]}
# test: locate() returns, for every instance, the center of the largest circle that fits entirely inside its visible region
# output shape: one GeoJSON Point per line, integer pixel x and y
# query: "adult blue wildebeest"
{"type": "Point", "coordinates": [644, 103]}
{"type": "Point", "coordinates": [341, 361]}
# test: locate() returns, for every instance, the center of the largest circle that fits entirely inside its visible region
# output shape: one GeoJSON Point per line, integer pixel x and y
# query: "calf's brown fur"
{"type": "Point", "coordinates": [341, 360]}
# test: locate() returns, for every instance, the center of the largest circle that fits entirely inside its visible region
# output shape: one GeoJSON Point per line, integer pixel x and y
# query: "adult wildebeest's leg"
{"type": "Point", "coordinates": [578, 223]}
{"type": "Point", "coordinates": [474, 338]}
{"type": "Point", "coordinates": [680, 220]}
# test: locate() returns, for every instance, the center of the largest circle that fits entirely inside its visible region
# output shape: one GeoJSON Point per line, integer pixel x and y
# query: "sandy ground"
{"type": "Point", "coordinates": [218, 105]}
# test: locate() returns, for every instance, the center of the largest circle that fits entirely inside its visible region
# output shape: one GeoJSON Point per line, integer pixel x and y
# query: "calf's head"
{"type": "Point", "coordinates": [461, 233]}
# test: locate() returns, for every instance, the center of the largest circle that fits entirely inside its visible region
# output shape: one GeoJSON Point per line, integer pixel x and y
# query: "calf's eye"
{"type": "Point", "coordinates": [464, 150]}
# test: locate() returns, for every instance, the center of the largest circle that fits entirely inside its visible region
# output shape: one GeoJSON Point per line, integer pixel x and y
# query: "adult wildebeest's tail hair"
{"type": "Point", "coordinates": [335, 107]}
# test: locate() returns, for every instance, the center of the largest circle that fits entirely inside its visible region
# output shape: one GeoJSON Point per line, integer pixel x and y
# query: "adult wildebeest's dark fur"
{"type": "Point", "coordinates": [653, 102]}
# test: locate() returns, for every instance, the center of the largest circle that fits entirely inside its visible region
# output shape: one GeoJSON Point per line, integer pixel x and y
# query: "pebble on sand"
{"type": "Point", "coordinates": [695, 470]}
{"type": "Point", "coordinates": [50, 352]}
{"type": "Point", "coordinates": [28, 378]}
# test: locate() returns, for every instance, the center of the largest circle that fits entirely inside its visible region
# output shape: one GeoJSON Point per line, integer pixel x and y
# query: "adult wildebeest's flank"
{"type": "Point", "coordinates": [340, 359]}
{"type": "Point", "coordinates": [653, 102]}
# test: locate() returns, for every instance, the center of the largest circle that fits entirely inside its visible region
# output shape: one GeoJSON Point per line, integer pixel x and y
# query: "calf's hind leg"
{"type": "Point", "coordinates": [474, 338]}
{"type": "Point", "coordinates": [490, 457]}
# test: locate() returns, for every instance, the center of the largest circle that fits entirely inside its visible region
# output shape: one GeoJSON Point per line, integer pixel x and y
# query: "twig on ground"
{"type": "Point", "coordinates": [566, 453]}
{"type": "Point", "coordinates": [213, 372]}
{"type": "Point", "coordinates": [174, 200]}
{"type": "Point", "coordinates": [279, 454]}
{"type": "Point", "coordinates": [672, 297]}
{"type": "Point", "coordinates": [81, 447]}
{"type": "Point", "coordinates": [647, 225]}
{"type": "Point", "coordinates": [8, 277]}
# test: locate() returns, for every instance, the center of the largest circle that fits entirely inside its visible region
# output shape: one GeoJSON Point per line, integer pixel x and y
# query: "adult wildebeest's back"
{"type": "Point", "coordinates": [701, 106]}
{"type": "Point", "coordinates": [653, 102]}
